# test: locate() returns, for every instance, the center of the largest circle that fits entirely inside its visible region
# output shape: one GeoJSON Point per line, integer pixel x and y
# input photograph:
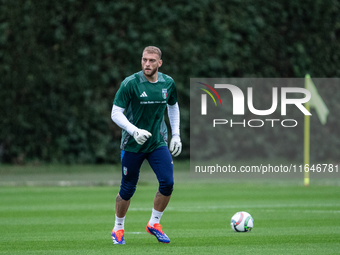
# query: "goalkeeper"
{"type": "Point", "coordinates": [144, 97]}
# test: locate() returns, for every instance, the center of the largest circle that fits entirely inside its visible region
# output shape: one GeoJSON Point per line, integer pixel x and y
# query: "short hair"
{"type": "Point", "coordinates": [153, 50]}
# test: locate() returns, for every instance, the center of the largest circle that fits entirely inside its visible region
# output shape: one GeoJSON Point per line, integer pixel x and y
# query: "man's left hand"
{"type": "Point", "coordinates": [175, 146]}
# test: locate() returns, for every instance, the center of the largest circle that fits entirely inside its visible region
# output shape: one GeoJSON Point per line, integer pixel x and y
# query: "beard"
{"type": "Point", "coordinates": [151, 73]}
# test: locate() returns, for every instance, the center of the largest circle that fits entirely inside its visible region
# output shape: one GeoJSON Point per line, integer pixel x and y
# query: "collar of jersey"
{"type": "Point", "coordinates": [143, 79]}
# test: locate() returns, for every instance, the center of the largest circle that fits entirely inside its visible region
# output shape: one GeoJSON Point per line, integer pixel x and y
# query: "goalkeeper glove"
{"type": "Point", "coordinates": [175, 145]}
{"type": "Point", "coordinates": [141, 136]}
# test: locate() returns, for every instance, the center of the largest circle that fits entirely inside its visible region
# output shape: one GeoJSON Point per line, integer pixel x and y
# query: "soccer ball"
{"type": "Point", "coordinates": [242, 222]}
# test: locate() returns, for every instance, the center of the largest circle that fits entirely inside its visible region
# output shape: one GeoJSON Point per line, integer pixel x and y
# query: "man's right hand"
{"type": "Point", "coordinates": [141, 136]}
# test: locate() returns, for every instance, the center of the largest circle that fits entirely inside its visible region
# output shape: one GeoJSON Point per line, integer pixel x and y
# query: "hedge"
{"type": "Point", "coordinates": [61, 62]}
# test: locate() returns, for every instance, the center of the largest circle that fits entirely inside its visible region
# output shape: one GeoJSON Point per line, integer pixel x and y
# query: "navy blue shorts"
{"type": "Point", "coordinates": [161, 163]}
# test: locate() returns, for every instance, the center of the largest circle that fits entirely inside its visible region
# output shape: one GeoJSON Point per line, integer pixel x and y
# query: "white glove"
{"type": "Point", "coordinates": [175, 146]}
{"type": "Point", "coordinates": [141, 136]}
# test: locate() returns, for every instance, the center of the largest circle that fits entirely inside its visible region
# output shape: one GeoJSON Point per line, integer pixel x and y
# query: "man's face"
{"type": "Point", "coordinates": [150, 63]}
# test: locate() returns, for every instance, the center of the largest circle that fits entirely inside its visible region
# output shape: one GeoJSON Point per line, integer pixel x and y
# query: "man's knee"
{"type": "Point", "coordinates": [166, 188]}
{"type": "Point", "coordinates": [127, 189]}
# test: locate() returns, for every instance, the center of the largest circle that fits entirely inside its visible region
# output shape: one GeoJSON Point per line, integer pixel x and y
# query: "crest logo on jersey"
{"type": "Point", "coordinates": [164, 93]}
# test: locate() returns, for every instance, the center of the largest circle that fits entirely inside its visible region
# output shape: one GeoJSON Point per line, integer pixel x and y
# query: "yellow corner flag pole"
{"type": "Point", "coordinates": [306, 140]}
{"type": "Point", "coordinates": [322, 111]}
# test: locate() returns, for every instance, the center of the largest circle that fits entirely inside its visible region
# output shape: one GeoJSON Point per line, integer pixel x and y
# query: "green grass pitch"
{"type": "Point", "coordinates": [288, 219]}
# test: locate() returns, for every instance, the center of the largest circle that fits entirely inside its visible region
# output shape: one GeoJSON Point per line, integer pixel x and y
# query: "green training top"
{"type": "Point", "coordinates": [145, 105]}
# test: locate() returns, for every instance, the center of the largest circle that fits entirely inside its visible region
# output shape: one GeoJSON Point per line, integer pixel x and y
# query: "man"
{"type": "Point", "coordinates": [144, 97]}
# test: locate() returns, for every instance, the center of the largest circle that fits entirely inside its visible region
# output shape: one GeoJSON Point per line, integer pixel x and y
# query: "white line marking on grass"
{"type": "Point", "coordinates": [270, 206]}
{"type": "Point", "coordinates": [178, 208]}
{"type": "Point", "coordinates": [141, 209]}
{"type": "Point", "coordinates": [314, 211]}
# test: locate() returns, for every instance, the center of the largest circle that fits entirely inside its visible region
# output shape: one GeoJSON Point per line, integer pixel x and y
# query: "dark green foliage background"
{"type": "Point", "coordinates": [61, 63]}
